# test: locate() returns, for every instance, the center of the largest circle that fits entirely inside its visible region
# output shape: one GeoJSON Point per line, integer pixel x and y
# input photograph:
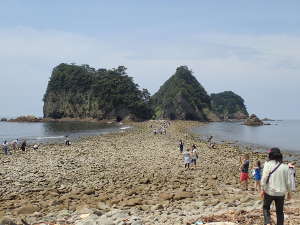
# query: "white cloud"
{"type": "Point", "coordinates": [259, 67]}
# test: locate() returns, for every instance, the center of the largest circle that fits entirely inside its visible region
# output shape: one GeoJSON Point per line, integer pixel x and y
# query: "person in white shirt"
{"type": "Point", "coordinates": [276, 183]}
{"type": "Point", "coordinates": [187, 158]}
{"type": "Point", "coordinates": [292, 171]}
{"type": "Point", "coordinates": [194, 155]}
{"type": "Point", "coordinates": [5, 148]}
{"type": "Point", "coordinates": [15, 144]}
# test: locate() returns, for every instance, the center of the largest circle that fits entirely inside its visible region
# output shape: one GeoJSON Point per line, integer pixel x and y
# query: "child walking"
{"type": "Point", "coordinates": [187, 158]}
{"type": "Point", "coordinates": [257, 176]}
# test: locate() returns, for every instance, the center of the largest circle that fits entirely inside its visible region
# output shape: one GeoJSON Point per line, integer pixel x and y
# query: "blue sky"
{"type": "Point", "coordinates": [249, 47]}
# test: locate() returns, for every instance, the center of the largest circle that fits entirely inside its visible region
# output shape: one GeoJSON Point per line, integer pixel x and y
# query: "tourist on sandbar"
{"type": "Point", "coordinates": [244, 176]}
{"type": "Point", "coordinates": [6, 148]}
{"type": "Point", "coordinates": [14, 144]}
{"type": "Point", "coordinates": [276, 183]}
{"type": "Point", "coordinates": [181, 146]}
{"type": "Point", "coordinates": [292, 171]}
{"type": "Point", "coordinates": [67, 141]}
{"type": "Point", "coordinates": [194, 155]}
{"type": "Point", "coordinates": [257, 175]}
{"type": "Point", "coordinates": [23, 146]}
{"type": "Point", "coordinates": [209, 140]}
{"type": "Point", "coordinates": [187, 158]}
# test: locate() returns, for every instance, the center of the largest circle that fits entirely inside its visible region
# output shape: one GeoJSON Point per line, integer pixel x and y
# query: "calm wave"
{"type": "Point", "coordinates": [54, 131]}
{"type": "Point", "coordinates": [282, 134]}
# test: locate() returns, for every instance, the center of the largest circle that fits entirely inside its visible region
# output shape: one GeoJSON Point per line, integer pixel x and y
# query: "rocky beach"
{"type": "Point", "coordinates": [133, 177]}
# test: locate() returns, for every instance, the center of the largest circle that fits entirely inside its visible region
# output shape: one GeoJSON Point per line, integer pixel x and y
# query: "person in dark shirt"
{"type": "Point", "coordinates": [23, 146]}
{"type": "Point", "coordinates": [180, 146]}
{"type": "Point", "coordinates": [244, 169]}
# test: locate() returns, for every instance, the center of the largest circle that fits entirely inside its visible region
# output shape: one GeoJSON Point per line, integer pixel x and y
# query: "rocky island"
{"type": "Point", "coordinates": [253, 120]}
{"type": "Point", "coordinates": [183, 97]}
{"type": "Point", "coordinates": [84, 92]}
{"type": "Point", "coordinates": [228, 105]}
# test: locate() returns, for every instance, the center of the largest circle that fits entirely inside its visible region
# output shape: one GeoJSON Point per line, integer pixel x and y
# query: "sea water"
{"type": "Point", "coordinates": [284, 134]}
{"type": "Point", "coordinates": [41, 132]}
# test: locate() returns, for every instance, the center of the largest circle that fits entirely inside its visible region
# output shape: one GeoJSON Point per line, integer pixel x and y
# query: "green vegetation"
{"type": "Point", "coordinates": [82, 91]}
{"type": "Point", "coordinates": [228, 105]}
{"type": "Point", "coordinates": [182, 97]}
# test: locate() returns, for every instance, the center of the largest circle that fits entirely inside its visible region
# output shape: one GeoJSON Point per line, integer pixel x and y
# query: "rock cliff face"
{"type": "Point", "coordinates": [83, 92]}
{"type": "Point", "coordinates": [228, 105]}
{"type": "Point", "coordinates": [183, 97]}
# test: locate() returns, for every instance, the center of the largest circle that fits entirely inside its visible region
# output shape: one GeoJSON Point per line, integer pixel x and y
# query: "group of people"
{"type": "Point", "coordinates": [273, 181]}
{"type": "Point", "coordinates": [14, 145]}
{"type": "Point", "coordinates": [190, 155]}
{"type": "Point", "coordinates": [162, 128]}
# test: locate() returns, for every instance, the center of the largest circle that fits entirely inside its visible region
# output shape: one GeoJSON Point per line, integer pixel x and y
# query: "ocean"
{"type": "Point", "coordinates": [284, 134]}
{"type": "Point", "coordinates": [54, 132]}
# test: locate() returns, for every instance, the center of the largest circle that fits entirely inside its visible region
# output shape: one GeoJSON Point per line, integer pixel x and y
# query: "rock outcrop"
{"type": "Point", "coordinates": [182, 97]}
{"type": "Point", "coordinates": [228, 105]}
{"type": "Point", "coordinates": [84, 92]}
{"type": "Point", "coordinates": [253, 120]}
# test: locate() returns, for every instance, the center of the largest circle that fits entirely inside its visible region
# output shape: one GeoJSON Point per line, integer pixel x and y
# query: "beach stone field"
{"type": "Point", "coordinates": [133, 177]}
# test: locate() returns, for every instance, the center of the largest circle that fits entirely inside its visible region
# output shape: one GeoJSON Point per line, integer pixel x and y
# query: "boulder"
{"type": "Point", "coordinates": [7, 221]}
{"type": "Point", "coordinates": [253, 120]}
{"type": "Point", "coordinates": [165, 196]}
{"type": "Point", "coordinates": [27, 209]}
{"type": "Point", "coordinates": [132, 202]}
{"type": "Point", "coordinates": [182, 195]}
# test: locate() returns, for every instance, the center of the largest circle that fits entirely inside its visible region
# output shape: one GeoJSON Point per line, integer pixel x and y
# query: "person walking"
{"type": "Point", "coordinates": [292, 171]}
{"type": "Point", "coordinates": [15, 144]}
{"type": "Point", "coordinates": [23, 146]}
{"type": "Point", "coordinates": [276, 183]}
{"type": "Point", "coordinates": [180, 146]}
{"type": "Point", "coordinates": [67, 141]}
{"type": "Point", "coordinates": [187, 159]}
{"type": "Point", "coordinates": [257, 176]}
{"type": "Point", "coordinates": [244, 175]}
{"type": "Point", "coordinates": [5, 148]}
{"type": "Point", "coordinates": [194, 155]}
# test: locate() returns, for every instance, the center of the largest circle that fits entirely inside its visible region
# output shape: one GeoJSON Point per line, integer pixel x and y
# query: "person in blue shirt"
{"type": "Point", "coordinates": [257, 175]}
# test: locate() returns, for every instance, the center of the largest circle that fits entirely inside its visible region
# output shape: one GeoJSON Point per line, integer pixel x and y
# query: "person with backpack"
{"type": "Point", "coordinates": [275, 183]}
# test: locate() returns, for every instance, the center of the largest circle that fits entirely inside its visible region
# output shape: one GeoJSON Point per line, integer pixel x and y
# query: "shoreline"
{"type": "Point", "coordinates": [259, 148]}
{"type": "Point", "coordinates": [133, 172]}
{"type": "Point", "coordinates": [34, 119]}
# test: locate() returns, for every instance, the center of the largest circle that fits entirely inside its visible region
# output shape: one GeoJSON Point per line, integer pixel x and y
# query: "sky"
{"type": "Point", "coordinates": [249, 47]}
